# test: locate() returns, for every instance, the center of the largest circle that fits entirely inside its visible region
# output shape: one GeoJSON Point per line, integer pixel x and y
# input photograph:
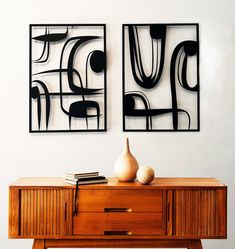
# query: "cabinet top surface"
{"type": "Point", "coordinates": [159, 182]}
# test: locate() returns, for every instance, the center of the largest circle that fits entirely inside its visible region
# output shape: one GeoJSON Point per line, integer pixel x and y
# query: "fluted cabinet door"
{"type": "Point", "coordinates": [199, 213]}
{"type": "Point", "coordinates": [44, 213]}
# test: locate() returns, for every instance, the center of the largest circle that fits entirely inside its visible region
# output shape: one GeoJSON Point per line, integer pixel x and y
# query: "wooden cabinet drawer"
{"type": "Point", "coordinates": [118, 224]}
{"type": "Point", "coordinates": [126, 200]}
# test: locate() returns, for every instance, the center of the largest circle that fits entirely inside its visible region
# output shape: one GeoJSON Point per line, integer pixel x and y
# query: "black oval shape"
{"type": "Point", "coordinates": [157, 31]}
{"type": "Point", "coordinates": [35, 92]}
{"type": "Point", "coordinates": [97, 61]}
{"type": "Point", "coordinates": [51, 37]}
{"type": "Point", "coordinates": [129, 104]}
{"type": "Point", "coordinates": [191, 48]}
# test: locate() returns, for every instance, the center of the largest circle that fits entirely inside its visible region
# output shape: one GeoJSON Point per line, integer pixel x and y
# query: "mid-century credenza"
{"type": "Point", "coordinates": [168, 213]}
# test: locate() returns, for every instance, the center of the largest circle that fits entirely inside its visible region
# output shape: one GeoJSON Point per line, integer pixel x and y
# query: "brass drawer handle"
{"type": "Point", "coordinates": [126, 210]}
{"type": "Point", "coordinates": [128, 233]}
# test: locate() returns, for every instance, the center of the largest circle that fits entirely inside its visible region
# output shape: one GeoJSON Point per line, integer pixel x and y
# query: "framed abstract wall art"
{"type": "Point", "coordinates": [161, 77]}
{"type": "Point", "coordinates": [67, 90]}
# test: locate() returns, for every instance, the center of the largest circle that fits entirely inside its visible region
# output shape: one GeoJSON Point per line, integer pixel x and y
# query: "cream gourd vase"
{"type": "Point", "coordinates": [126, 166]}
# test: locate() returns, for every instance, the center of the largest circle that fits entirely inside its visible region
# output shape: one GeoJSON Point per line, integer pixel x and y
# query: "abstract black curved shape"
{"type": "Point", "coordinates": [45, 46]}
{"type": "Point", "coordinates": [129, 107]}
{"type": "Point", "coordinates": [43, 50]}
{"type": "Point", "coordinates": [190, 48]}
{"type": "Point", "coordinates": [79, 109]}
{"type": "Point", "coordinates": [47, 39]}
{"type": "Point", "coordinates": [97, 61]}
{"type": "Point", "coordinates": [130, 110]}
{"type": "Point", "coordinates": [79, 90]}
{"type": "Point", "coordinates": [36, 94]}
{"type": "Point", "coordinates": [157, 32]}
{"type": "Point", "coordinates": [78, 43]}
{"type": "Point", "coordinates": [74, 111]}
{"type": "Point", "coordinates": [53, 37]}
{"type": "Point", "coordinates": [72, 86]}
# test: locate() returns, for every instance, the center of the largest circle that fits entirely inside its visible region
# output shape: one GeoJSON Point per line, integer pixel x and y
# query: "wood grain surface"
{"type": "Point", "coordinates": [133, 200]}
{"type": "Point", "coordinates": [159, 182]}
{"type": "Point", "coordinates": [134, 223]}
{"type": "Point", "coordinates": [170, 212]}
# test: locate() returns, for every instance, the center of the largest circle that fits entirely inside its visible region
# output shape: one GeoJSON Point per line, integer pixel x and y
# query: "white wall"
{"type": "Point", "coordinates": [208, 153]}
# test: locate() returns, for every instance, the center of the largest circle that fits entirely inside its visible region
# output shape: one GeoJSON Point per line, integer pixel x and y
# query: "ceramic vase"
{"type": "Point", "coordinates": [126, 166]}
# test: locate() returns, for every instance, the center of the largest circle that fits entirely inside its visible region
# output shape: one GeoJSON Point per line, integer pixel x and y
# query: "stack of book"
{"type": "Point", "coordinates": [84, 178]}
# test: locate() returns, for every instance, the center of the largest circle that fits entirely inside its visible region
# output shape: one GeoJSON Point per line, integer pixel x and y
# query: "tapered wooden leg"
{"type": "Point", "coordinates": [196, 244]}
{"type": "Point", "coordinates": [39, 244]}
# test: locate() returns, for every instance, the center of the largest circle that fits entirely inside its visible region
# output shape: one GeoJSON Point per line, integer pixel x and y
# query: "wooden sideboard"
{"type": "Point", "coordinates": [168, 213]}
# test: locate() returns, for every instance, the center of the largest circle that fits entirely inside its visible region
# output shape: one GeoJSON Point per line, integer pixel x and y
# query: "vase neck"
{"type": "Point", "coordinates": [126, 146]}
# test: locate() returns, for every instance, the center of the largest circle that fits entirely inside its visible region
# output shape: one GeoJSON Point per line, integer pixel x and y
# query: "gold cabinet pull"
{"type": "Point", "coordinates": [125, 210]}
{"type": "Point", "coordinates": [126, 233]}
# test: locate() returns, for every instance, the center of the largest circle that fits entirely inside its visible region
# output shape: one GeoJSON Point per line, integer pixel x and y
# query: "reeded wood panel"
{"type": "Point", "coordinates": [13, 216]}
{"type": "Point", "coordinates": [45, 212]}
{"type": "Point", "coordinates": [199, 213]}
{"type": "Point", "coordinates": [108, 223]}
{"type": "Point", "coordinates": [134, 200]}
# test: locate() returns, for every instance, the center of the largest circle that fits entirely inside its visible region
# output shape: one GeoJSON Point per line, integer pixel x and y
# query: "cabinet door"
{"type": "Point", "coordinates": [200, 213]}
{"type": "Point", "coordinates": [44, 212]}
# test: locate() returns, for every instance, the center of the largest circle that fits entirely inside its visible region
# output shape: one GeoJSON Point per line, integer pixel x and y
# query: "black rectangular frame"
{"type": "Point", "coordinates": [30, 80]}
{"type": "Point", "coordinates": [123, 79]}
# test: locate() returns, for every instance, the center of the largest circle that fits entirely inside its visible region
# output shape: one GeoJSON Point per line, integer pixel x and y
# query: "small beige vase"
{"type": "Point", "coordinates": [126, 166]}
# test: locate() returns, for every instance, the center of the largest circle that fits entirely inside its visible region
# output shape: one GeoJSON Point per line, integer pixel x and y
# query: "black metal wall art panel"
{"type": "Point", "coordinates": [161, 77]}
{"type": "Point", "coordinates": [67, 77]}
